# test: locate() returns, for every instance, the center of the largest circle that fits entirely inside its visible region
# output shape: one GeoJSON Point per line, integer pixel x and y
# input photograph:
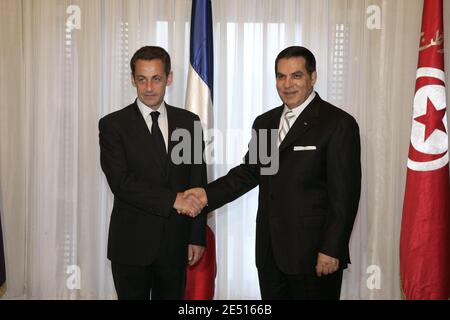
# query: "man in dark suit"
{"type": "Point", "coordinates": [307, 208]}
{"type": "Point", "coordinates": [150, 244]}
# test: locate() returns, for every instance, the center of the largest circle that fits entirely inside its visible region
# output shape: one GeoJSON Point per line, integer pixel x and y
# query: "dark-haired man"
{"type": "Point", "coordinates": [307, 208]}
{"type": "Point", "coordinates": [150, 244]}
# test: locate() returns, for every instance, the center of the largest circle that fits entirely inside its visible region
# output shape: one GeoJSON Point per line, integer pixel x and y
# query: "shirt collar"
{"type": "Point", "coordinates": [300, 108]}
{"type": "Point", "coordinates": [145, 111]}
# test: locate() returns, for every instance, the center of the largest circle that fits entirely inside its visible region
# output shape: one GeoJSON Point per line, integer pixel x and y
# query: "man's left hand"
{"type": "Point", "coordinates": [326, 265]}
{"type": "Point", "coordinates": [194, 253]}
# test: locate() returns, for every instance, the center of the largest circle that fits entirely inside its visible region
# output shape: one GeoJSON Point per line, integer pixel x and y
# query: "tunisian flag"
{"type": "Point", "coordinates": [425, 231]}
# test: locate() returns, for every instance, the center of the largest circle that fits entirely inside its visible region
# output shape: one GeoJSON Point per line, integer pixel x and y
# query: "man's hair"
{"type": "Point", "coordinates": [151, 53]}
{"type": "Point", "coordinates": [296, 51]}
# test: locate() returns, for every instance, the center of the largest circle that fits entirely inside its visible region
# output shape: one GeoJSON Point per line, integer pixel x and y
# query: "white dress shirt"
{"type": "Point", "coordinates": [297, 111]}
{"type": "Point", "coordinates": [162, 119]}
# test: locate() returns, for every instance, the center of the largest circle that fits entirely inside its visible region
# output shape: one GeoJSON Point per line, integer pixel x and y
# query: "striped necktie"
{"type": "Point", "coordinates": [285, 126]}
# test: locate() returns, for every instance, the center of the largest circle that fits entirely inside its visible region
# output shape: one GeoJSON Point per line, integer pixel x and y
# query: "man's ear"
{"type": "Point", "coordinates": [132, 81]}
{"type": "Point", "coordinates": [169, 78]}
{"type": "Point", "coordinates": [314, 77]}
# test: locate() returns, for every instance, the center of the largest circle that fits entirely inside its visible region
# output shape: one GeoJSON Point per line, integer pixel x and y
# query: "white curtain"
{"type": "Point", "coordinates": [58, 79]}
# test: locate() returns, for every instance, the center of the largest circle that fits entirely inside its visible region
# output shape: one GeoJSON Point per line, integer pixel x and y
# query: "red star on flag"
{"type": "Point", "coordinates": [432, 120]}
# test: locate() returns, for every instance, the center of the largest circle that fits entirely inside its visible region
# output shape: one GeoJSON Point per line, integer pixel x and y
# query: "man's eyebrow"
{"type": "Point", "coordinates": [293, 73]}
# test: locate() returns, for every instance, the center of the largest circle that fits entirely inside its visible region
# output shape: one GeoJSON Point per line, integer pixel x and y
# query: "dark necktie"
{"type": "Point", "coordinates": [158, 138]}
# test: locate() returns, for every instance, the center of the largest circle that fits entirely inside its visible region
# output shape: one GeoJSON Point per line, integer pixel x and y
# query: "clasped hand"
{"type": "Point", "coordinates": [191, 202]}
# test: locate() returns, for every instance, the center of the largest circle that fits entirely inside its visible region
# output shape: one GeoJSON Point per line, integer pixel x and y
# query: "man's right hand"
{"type": "Point", "coordinates": [188, 205]}
{"type": "Point", "coordinates": [199, 194]}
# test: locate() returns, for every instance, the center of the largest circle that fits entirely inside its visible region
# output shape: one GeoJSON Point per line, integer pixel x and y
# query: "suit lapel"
{"type": "Point", "coordinates": [305, 121]}
{"type": "Point", "coordinates": [273, 125]}
{"type": "Point", "coordinates": [173, 124]}
{"type": "Point", "coordinates": [275, 120]}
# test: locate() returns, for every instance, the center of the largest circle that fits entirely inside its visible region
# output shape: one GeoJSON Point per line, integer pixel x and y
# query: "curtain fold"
{"type": "Point", "coordinates": [58, 78]}
{"type": "Point", "coordinates": [13, 128]}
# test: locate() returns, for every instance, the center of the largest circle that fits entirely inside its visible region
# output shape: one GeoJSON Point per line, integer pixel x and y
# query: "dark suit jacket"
{"type": "Point", "coordinates": [310, 204]}
{"type": "Point", "coordinates": [144, 227]}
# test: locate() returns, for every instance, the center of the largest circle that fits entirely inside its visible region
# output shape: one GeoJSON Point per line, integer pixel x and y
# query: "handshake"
{"type": "Point", "coordinates": [191, 202]}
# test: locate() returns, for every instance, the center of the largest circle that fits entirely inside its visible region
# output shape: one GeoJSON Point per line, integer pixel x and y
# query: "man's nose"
{"type": "Point", "coordinates": [149, 86]}
{"type": "Point", "coordinates": [288, 82]}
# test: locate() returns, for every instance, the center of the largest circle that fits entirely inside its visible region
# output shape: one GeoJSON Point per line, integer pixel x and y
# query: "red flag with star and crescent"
{"type": "Point", "coordinates": [425, 229]}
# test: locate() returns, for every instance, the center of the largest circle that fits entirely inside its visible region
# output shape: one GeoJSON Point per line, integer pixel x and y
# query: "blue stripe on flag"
{"type": "Point", "coordinates": [201, 51]}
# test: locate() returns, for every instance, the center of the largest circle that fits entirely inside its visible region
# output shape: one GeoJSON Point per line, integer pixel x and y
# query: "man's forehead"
{"type": "Point", "coordinates": [292, 64]}
{"type": "Point", "coordinates": [293, 61]}
{"type": "Point", "coordinates": [149, 70]}
{"type": "Point", "coordinates": [155, 64]}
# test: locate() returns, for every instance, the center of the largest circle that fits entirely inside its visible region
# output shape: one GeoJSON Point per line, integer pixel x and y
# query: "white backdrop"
{"type": "Point", "coordinates": [55, 83]}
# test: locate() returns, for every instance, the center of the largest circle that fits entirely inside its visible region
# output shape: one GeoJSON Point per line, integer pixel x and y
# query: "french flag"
{"type": "Point", "coordinates": [200, 85]}
{"type": "Point", "coordinates": [200, 278]}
